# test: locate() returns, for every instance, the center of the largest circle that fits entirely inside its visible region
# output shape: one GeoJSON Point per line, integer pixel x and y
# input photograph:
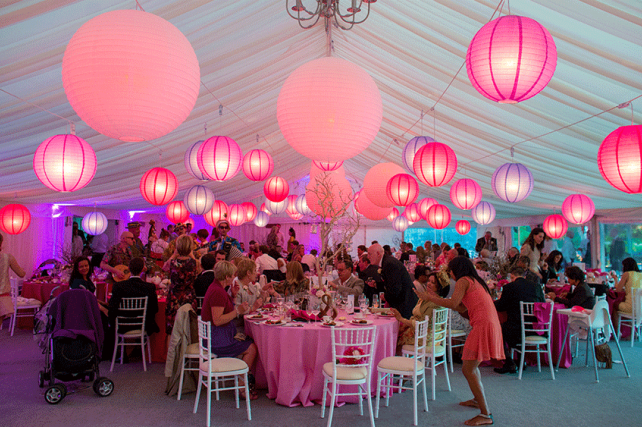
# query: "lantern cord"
{"type": "Point", "coordinates": [38, 106]}
{"type": "Point", "coordinates": [551, 132]}
{"type": "Point", "coordinates": [139, 6]}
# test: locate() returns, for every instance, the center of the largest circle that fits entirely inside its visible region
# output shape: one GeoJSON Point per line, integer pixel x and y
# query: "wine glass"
{"type": "Point", "coordinates": [375, 301]}
{"type": "Point", "coordinates": [363, 304]}
{"type": "Point", "coordinates": [315, 309]}
{"type": "Point", "coordinates": [280, 301]}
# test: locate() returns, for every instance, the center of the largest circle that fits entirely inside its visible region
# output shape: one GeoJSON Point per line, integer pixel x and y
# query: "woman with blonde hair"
{"type": "Point", "coordinates": [295, 281]}
{"type": "Point", "coordinates": [182, 273]}
{"type": "Point", "coordinates": [249, 290]}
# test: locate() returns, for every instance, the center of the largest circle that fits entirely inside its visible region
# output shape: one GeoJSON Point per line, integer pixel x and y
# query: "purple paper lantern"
{"type": "Point", "coordinates": [512, 182]}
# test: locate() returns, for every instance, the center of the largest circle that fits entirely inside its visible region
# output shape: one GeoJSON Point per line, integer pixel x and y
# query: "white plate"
{"type": "Point", "coordinates": [336, 324]}
{"type": "Point", "coordinates": [252, 317]}
{"type": "Point", "coordinates": [368, 322]}
{"type": "Point", "coordinates": [386, 314]}
{"type": "Point", "coordinates": [281, 323]}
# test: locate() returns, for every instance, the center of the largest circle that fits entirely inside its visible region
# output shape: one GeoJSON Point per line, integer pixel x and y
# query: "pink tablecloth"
{"type": "Point", "coordinates": [42, 291]}
{"type": "Point", "coordinates": [560, 323]}
{"type": "Point", "coordinates": [291, 358]}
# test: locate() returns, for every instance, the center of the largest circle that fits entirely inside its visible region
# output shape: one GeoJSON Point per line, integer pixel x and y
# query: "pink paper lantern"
{"type": "Point", "coordinates": [131, 75]}
{"type": "Point", "coordinates": [329, 107]}
{"type": "Point", "coordinates": [191, 161]}
{"type": "Point", "coordinates": [376, 181]}
{"type": "Point", "coordinates": [424, 205]}
{"type": "Point", "coordinates": [555, 226]}
{"type": "Point", "coordinates": [327, 166]}
{"type": "Point", "coordinates": [158, 186]}
{"type": "Point", "coordinates": [438, 216]}
{"type": "Point", "coordinates": [465, 193]}
{"type": "Point", "coordinates": [411, 148]}
{"type": "Point", "coordinates": [236, 215]}
{"type": "Point", "coordinates": [257, 165]}
{"type": "Point", "coordinates": [365, 207]}
{"type": "Point", "coordinates": [400, 224]}
{"type": "Point", "coordinates": [412, 213]}
{"type": "Point", "coordinates": [264, 208]}
{"type": "Point", "coordinates": [435, 164]}
{"type": "Point", "coordinates": [578, 208]}
{"type": "Point", "coordinates": [64, 163]}
{"type": "Point", "coordinates": [291, 206]}
{"type": "Point", "coordinates": [394, 213]}
{"type": "Point", "coordinates": [250, 211]}
{"type": "Point", "coordinates": [295, 216]}
{"type": "Point", "coordinates": [620, 158]}
{"type": "Point", "coordinates": [276, 189]}
{"type": "Point", "coordinates": [512, 182]}
{"type": "Point", "coordinates": [511, 59]}
{"type": "Point", "coordinates": [219, 158]}
{"type": "Point", "coordinates": [483, 213]}
{"type": "Point", "coordinates": [462, 227]}
{"type": "Point", "coordinates": [218, 212]}
{"type": "Point", "coordinates": [176, 212]}
{"type": "Point", "coordinates": [402, 189]}
{"type": "Point", "coordinates": [14, 218]}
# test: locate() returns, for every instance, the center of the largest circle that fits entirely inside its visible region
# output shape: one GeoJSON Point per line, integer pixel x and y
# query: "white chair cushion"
{"type": "Point", "coordinates": [405, 364]}
{"type": "Point", "coordinates": [536, 339]}
{"type": "Point", "coordinates": [134, 332]}
{"type": "Point", "coordinates": [27, 302]}
{"type": "Point", "coordinates": [192, 349]}
{"type": "Point", "coordinates": [345, 373]}
{"type": "Point", "coordinates": [225, 364]}
{"type": "Point", "coordinates": [409, 348]}
{"type": "Point", "coordinates": [457, 332]}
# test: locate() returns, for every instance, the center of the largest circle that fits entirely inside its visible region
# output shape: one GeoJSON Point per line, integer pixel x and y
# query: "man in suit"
{"type": "Point", "coordinates": [513, 293]}
{"type": "Point", "coordinates": [398, 287]}
{"type": "Point", "coordinates": [486, 242]}
{"type": "Point", "coordinates": [132, 288]}
{"type": "Point", "coordinates": [205, 279]}
{"type": "Point", "coordinates": [371, 277]}
{"type": "Point", "coordinates": [405, 256]}
{"type": "Point", "coordinates": [347, 283]}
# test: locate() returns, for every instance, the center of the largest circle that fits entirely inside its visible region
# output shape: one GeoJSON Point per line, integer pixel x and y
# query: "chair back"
{"type": "Point", "coordinates": [600, 298]}
{"type": "Point", "coordinates": [352, 348]}
{"type": "Point", "coordinates": [132, 313]}
{"type": "Point", "coordinates": [531, 324]}
{"type": "Point", "coordinates": [204, 338]}
{"type": "Point", "coordinates": [440, 317]}
{"type": "Point", "coordinates": [636, 312]}
{"type": "Point", "coordinates": [14, 293]}
{"type": "Point", "coordinates": [199, 302]}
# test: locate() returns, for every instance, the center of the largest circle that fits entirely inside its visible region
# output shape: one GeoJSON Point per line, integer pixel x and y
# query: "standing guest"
{"type": "Point", "coordinates": [371, 278]}
{"type": "Point", "coordinates": [533, 247]}
{"type": "Point", "coordinates": [398, 288]}
{"type": "Point", "coordinates": [486, 242]}
{"type": "Point", "coordinates": [118, 256]}
{"type": "Point", "coordinates": [81, 275]}
{"type": "Point", "coordinates": [77, 241]}
{"type": "Point", "coordinates": [631, 279]}
{"type": "Point", "coordinates": [264, 261]}
{"type": "Point", "coordinates": [172, 232]}
{"type": "Point", "coordinates": [484, 341]}
{"type": "Point", "coordinates": [99, 245]}
{"type": "Point", "coordinates": [137, 247]}
{"type": "Point", "coordinates": [182, 272]}
{"type": "Point", "coordinates": [201, 238]}
{"type": "Point", "coordinates": [585, 248]}
{"type": "Point", "coordinates": [550, 245]}
{"type": "Point", "coordinates": [310, 260]}
{"type": "Point", "coordinates": [387, 250]}
{"type": "Point", "coordinates": [205, 279]}
{"type": "Point", "coordinates": [347, 283]}
{"type": "Point", "coordinates": [295, 281]}
{"type": "Point", "coordinates": [291, 246]}
{"type": "Point", "coordinates": [223, 227]}
{"type": "Point", "coordinates": [568, 249]}
{"type": "Point", "coordinates": [581, 294]}
{"type": "Point", "coordinates": [275, 238]}
{"type": "Point", "coordinates": [7, 261]}
{"type": "Point", "coordinates": [436, 251]}
{"type": "Point", "coordinates": [219, 309]}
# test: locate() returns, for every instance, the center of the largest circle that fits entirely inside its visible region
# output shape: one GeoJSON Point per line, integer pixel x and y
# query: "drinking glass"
{"type": "Point", "coordinates": [363, 305]}
{"type": "Point", "coordinates": [280, 301]}
{"type": "Point", "coordinates": [375, 301]}
{"type": "Point", "coordinates": [315, 309]}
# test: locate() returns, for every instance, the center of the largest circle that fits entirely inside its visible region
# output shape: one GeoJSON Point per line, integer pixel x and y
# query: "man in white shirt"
{"type": "Point", "coordinates": [99, 246]}
{"type": "Point", "coordinates": [310, 259]}
{"type": "Point", "coordinates": [265, 261]}
{"type": "Point", "coordinates": [568, 249]}
{"type": "Point", "coordinates": [347, 283]}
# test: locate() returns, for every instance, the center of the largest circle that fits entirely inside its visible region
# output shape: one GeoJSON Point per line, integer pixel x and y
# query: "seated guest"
{"type": "Point", "coordinates": [512, 256]}
{"type": "Point", "coordinates": [462, 252]}
{"type": "Point", "coordinates": [298, 253]}
{"type": "Point", "coordinates": [265, 261]}
{"type": "Point", "coordinates": [311, 260]}
{"type": "Point", "coordinates": [132, 288]}
{"type": "Point", "coordinates": [551, 267]}
{"type": "Point", "coordinates": [486, 256]}
{"type": "Point", "coordinates": [249, 290]}
{"type": "Point", "coordinates": [581, 293]}
{"type": "Point", "coordinates": [441, 259]}
{"type": "Point", "coordinates": [421, 278]}
{"type": "Point", "coordinates": [205, 279]}
{"type": "Point", "coordinates": [371, 277]}
{"type": "Point", "coordinates": [631, 279]}
{"type": "Point", "coordinates": [81, 275]}
{"type": "Point", "coordinates": [513, 293]}
{"type": "Point", "coordinates": [525, 262]}
{"type": "Point", "coordinates": [405, 256]}
{"type": "Point", "coordinates": [295, 281]}
{"type": "Point", "coordinates": [347, 283]}
{"type": "Point", "coordinates": [219, 309]}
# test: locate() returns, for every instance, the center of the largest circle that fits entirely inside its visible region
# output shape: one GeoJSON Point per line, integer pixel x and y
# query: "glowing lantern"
{"type": "Point", "coordinates": [402, 189]}
{"type": "Point", "coordinates": [376, 182]}
{"type": "Point", "coordinates": [329, 106]}
{"type": "Point", "coordinates": [438, 216]}
{"type": "Point", "coordinates": [578, 208]}
{"type": "Point", "coordinates": [328, 167]}
{"type": "Point", "coordinates": [435, 164]}
{"type": "Point", "coordinates": [261, 219]}
{"type": "Point", "coordinates": [465, 193]}
{"type": "Point", "coordinates": [191, 161]}
{"type": "Point", "coordinates": [263, 208]}
{"type": "Point", "coordinates": [176, 212]}
{"type": "Point", "coordinates": [483, 213]}
{"type": "Point", "coordinates": [317, 174]}
{"type": "Point", "coordinates": [555, 226]}
{"type": "Point", "coordinates": [411, 148]}
{"type": "Point", "coordinates": [295, 216]}
{"type": "Point", "coordinates": [198, 200]}
{"type": "Point", "coordinates": [64, 163]}
{"type": "Point", "coordinates": [14, 218]}
{"type": "Point", "coordinates": [393, 214]}
{"type": "Point", "coordinates": [250, 211]}
{"type": "Point", "coordinates": [276, 189]}
{"type": "Point", "coordinates": [276, 207]}
{"type": "Point", "coordinates": [365, 207]}
{"type": "Point", "coordinates": [158, 186]}
{"type": "Point", "coordinates": [424, 205]}
{"type": "Point", "coordinates": [412, 213]}
{"type": "Point", "coordinates": [257, 165]}
{"type": "Point", "coordinates": [511, 59]}
{"type": "Point", "coordinates": [218, 212]}
{"type": "Point", "coordinates": [131, 75]}
{"type": "Point", "coordinates": [219, 158]}
{"type": "Point", "coordinates": [94, 223]}
{"type": "Point", "coordinates": [291, 207]}
{"type": "Point", "coordinates": [620, 158]}
{"type": "Point", "coordinates": [512, 182]}
{"type": "Point", "coordinates": [236, 215]}
{"type": "Point", "coordinates": [462, 227]}
{"type": "Point", "coordinates": [189, 221]}
{"type": "Point", "coordinates": [400, 224]}
{"type": "Point", "coordinates": [301, 205]}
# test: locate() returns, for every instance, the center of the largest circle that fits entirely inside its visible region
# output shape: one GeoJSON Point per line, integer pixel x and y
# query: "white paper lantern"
{"type": "Point", "coordinates": [302, 205]}
{"type": "Point", "coordinates": [261, 219]}
{"type": "Point", "coordinates": [276, 207]}
{"type": "Point", "coordinates": [191, 161]}
{"type": "Point", "coordinates": [400, 223]}
{"type": "Point", "coordinates": [483, 213]}
{"type": "Point", "coordinates": [198, 200]}
{"type": "Point", "coordinates": [94, 223]}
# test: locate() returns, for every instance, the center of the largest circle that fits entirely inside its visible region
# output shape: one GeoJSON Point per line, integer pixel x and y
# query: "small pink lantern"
{"type": "Point", "coordinates": [376, 182]}
{"type": "Point", "coordinates": [368, 209]}
{"type": "Point", "coordinates": [400, 224]}
{"type": "Point", "coordinates": [291, 207]}
{"type": "Point", "coordinates": [511, 59]}
{"type": "Point", "coordinates": [393, 214]}
{"type": "Point", "coordinates": [14, 218]}
{"type": "Point", "coordinates": [264, 208]}
{"type": "Point", "coordinates": [555, 226]}
{"type": "Point", "coordinates": [578, 208]}
{"type": "Point", "coordinates": [218, 212]}
{"type": "Point", "coordinates": [465, 193]}
{"type": "Point", "coordinates": [257, 165]}
{"type": "Point", "coordinates": [411, 148]}
{"type": "Point", "coordinates": [435, 164]}
{"type": "Point", "coordinates": [329, 107]}
{"type": "Point", "coordinates": [424, 205]}
{"type": "Point", "coordinates": [620, 158]}
{"type": "Point", "coordinates": [250, 211]}
{"type": "Point", "coordinates": [402, 189]}
{"type": "Point", "coordinates": [219, 158]}
{"type": "Point", "coordinates": [412, 213]}
{"type": "Point", "coordinates": [276, 189]}
{"type": "Point", "coordinates": [295, 216]}
{"type": "Point", "coordinates": [191, 161]}
{"type": "Point", "coordinates": [131, 75]}
{"type": "Point", "coordinates": [483, 213]}
{"type": "Point", "coordinates": [158, 186]}
{"type": "Point", "coordinates": [327, 166]}
{"type": "Point", "coordinates": [64, 163]}
{"type": "Point", "coordinates": [176, 212]}
{"type": "Point", "coordinates": [236, 215]}
{"type": "Point", "coordinates": [462, 227]}
{"type": "Point", "coordinates": [438, 216]}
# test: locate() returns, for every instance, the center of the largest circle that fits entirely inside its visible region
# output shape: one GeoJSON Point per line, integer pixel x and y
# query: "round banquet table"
{"type": "Point", "coordinates": [41, 290]}
{"type": "Point", "coordinates": [291, 358]}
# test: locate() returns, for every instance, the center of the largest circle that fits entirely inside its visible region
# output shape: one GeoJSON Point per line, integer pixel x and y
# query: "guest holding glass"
{"type": "Point", "coordinates": [581, 294]}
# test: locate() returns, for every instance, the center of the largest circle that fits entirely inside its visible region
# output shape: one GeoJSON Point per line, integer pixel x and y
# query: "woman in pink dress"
{"type": "Point", "coordinates": [484, 341]}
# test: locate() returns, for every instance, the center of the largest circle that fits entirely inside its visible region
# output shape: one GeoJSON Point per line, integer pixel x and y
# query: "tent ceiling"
{"type": "Point", "coordinates": [412, 49]}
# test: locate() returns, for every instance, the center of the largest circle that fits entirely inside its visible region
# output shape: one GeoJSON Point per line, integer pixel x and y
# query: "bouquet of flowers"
{"type": "Point", "coordinates": [319, 289]}
{"type": "Point", "coordinates": [354, 359]}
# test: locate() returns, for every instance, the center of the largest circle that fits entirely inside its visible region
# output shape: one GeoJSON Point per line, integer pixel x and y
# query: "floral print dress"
{"type": "Point", "coordinates": [182, 273]}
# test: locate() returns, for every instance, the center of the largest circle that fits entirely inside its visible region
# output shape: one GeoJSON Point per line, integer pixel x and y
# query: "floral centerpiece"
{"type": "Point", "coordinates": [321, 291]}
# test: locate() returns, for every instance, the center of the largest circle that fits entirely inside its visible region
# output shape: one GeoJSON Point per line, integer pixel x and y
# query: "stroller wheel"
{"type": "Point", "coordinates": [41, 379]}
{"type": "Point", "coordinates": [103, 387]}
{"type": "Point", "coordinates": [55, 393]}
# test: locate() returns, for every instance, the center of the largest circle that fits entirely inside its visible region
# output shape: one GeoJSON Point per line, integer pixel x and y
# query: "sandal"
{"type": "Point", "coordinates": [472, 403]}
{"type": "Point", "coordinates": [481, 420]}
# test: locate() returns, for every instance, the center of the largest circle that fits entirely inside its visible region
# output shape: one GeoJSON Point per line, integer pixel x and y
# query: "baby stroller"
{"type": "Point", "coordinates": [73, 345]}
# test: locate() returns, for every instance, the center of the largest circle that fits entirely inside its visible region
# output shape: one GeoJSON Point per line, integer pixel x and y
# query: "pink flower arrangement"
{"type": "Point", "coordinates": [352, 351]}
{"type": "Point", "coordinates": [501, 283]}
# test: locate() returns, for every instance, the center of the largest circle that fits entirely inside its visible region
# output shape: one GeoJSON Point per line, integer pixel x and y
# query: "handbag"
{"type": "Point", "coordinates": [603, 355]}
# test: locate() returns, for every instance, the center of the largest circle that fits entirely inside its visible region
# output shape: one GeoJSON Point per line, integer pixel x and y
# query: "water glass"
{"type": "Point", "coordinates": [375, 301]}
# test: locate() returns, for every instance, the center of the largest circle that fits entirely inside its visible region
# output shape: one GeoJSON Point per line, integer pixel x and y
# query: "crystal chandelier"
{"type": "Point", "coordinates": [345, 19]}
